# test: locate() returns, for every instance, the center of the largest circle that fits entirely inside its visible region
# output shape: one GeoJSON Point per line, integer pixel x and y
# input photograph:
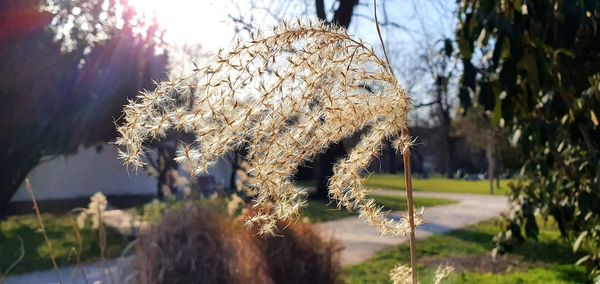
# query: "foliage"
{"type": "Point", "coordinates": [534, 65]}
{"type": "Point", "coordinates": [64, 75]}
{"type": "Point", "coordinates": [60, 229]}
{"type": "Point", "coordinates": [480, 133]}
{"type": "Point", "coordinates": [545, 261]}
{"type": "Point", "coordinates": [435, 184]}
{"type": "Point", "coordinates": [154, 210]}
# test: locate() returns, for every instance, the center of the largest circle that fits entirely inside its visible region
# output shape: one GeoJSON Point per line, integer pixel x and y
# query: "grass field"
{"type": "Point", "coordinates": [436, 184]}
{"type": "Point", "coordinates": [68, 250]}
{"type": "Point", "coordinates": [321, 211]}
{"type": "Point", "coordinates": [547, 261]}
{"type": "Point", "coordinates": [60, 230]}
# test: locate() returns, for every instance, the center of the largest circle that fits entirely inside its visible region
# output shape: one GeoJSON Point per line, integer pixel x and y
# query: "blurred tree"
{"type": "Point", "coordinates": [534, 65]}
{"type": "Point", "coordinates": [67, 69]}
{"type": "Point", "coordinates": [427, 66]}
{"type": "Point", "coordinates": [437, 60]}
{"type": "Point", "coordinates": [478, 131]}
{"type": "Point", "coordinates": [435, 66]}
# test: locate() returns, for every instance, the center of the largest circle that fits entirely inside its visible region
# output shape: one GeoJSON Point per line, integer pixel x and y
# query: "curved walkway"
{"type": "Point", "coordinates": [361, 242]}
{"type": "Point", "coordinates": [112, 271]}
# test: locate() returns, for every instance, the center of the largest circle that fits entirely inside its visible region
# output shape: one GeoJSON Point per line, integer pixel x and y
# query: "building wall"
{"type": "Point", "coordinates": [95, 169]}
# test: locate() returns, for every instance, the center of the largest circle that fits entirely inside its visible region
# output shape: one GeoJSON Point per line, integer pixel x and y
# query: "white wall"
{"type": "Point", "coordinates": [89, 171]}
{"type": "Point", "coordinates": [83, 174]}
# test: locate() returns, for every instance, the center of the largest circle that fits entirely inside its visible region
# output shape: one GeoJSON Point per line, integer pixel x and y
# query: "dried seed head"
{"type": "Point", "coordinates": [442, 272]}
{"type": "Point", "coordinates": [401, 274]}
{"type": "Point", "coordinates": [286, 97]}
{"type": "Point", "coordinates": [93, 212]}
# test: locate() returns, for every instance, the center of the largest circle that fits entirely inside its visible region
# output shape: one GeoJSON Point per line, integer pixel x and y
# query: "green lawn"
{"type": "Point", "coordinates": [321, 211]}
{"type": "Point", "coordinates": [547, 261]}
{"type": "Point", "coordinates": [61, 233]}
{"type": "Point", "coordinates": [436, 184]}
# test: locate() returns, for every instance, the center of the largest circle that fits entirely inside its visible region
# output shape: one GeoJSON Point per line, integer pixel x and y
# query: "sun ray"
{"type": "Point", "coordinates": [188, 21]}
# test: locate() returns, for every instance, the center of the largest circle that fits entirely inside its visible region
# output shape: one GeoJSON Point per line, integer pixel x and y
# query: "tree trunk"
{"type": "Point", "coordinates": [165, 166]}
{"type": "Point", "coordinates": [489, 154]}
{"type": "Point", "coordinates": [393, 163]}
{"type": "Point", "coordinates": [161, 180]}
{"type": "Point", "coordinates": [497, 167]}
{"type": "Point", "coordinates": [235, 166]}
{"type": "Point", "coordinates": [326, 162]}
{"type": "Point", "coordinates": [447, 148]}
{"type": "Point", "coordinates": [16, 163]}
{"type": "Point", "coordinates": [447, 143]}
{"type": "Point", "coordinates": [341, 17]}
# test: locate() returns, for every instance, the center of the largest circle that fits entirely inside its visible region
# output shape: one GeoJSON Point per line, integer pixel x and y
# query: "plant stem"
{"type": "Point", "coordinates": [42, 228]}
{"type": "Point", "coordinates": [406, 157]}
{"type": "Point", "coordinates": [79, 250]}
{"type": "Point", "coordinates": [411, 215]}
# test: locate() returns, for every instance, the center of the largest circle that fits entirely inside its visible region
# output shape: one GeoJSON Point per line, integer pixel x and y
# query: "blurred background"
{"type": "Point", "coordinates": [505, 95]}
{"type": "Point", "coordinates": [68, 67]}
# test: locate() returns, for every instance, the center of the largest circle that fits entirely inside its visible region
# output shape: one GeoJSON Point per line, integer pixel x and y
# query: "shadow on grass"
{"type": "Point", "coordinates": [549, 248]}
{"type": "Point", "coordinates": [64, 243]}
{"type": "Point", "coordinates": [548, 260]}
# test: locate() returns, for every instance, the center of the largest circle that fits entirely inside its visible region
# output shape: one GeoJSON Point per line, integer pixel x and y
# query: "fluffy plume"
{"type": "Point", "coordinates": [284, 96]}
{"type": "Point", "coordinates": [442, 272]}
{"type": "Point", "coordinates": [94, 212]}
{"type": "Point", "coordinates": [401, 274]}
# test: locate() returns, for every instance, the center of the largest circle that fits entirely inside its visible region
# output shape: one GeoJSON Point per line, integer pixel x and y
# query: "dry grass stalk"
{"type": "Point", "coordinates": [442, 272]}
{"type": "Point", "coordinates": [411, 221]}
{"type": "Point", "coordinates": [94, 212]}
{"type": "Point", "coordinates": [42, 228]}
{"type": "Point", "coordinates": [407, 172]}
{"type": "Point", "coordinates": [401, 274]}
{"type": "Point", "coordinates": [16, 262]}
{"type": "Point", "coordinates": [79, 249]}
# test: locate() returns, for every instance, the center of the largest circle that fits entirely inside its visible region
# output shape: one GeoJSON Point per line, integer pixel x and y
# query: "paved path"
{"type": "Point", "coordinates": [362, 242]}
{"type": "Point", "coordinates": [112, 271]}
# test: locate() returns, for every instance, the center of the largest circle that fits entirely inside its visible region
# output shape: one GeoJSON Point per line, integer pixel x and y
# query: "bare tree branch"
{"type": "Point", "coordinates": [320, 5]}
{"type": "Point", "coordinates": [425, 104]}
{"type": "Point", "coordinates": [385, 23]}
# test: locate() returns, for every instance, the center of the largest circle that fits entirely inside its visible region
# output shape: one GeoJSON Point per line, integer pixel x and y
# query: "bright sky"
{"type": "Point", "coordinates": [206, 23]}
{"type": "Point", "coordinates": [190, 21]}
